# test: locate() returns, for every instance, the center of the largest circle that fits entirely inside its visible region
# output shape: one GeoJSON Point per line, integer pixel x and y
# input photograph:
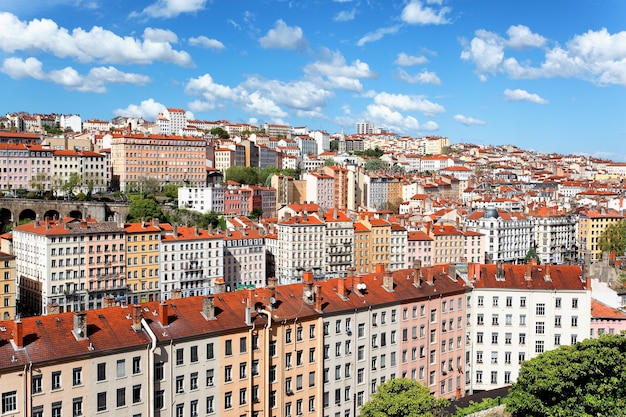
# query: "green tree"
{"type": "Point", "coordinates": [213, 219]}
{"type": "Point", "coordinates": [402, 397]}
{"type": "Point", "coordinates": [334, 145]}
{"type": "Point", "coordinates": [613, 239]}
{"type": "Point", "coordinates": [329, 162]}
{"type": "Point", "coordinates": [144, 208]}
{"type": "Point", "coordinates": [265, 176]}
{"type": "Point", "coordinates": [255, 214]}
{"type": "Point", "coordinates": [532, 254]}
{"type": "Point", "coordinates": [70, 185]}
{"type": "Point", "coordinates": [584, 379]}
{"type": "Point", "coordinates": [171, 191]}
{"type": "Point", "coordinates": [242, 175]}
{"type": "Point", "coordinates": [149, 186]}
{"type": "Point", "coordinates": [38, 181]}
{"type": "Point", "coordinates": [374, 164]}
{"type": "Point", "coordinates": [220, 133]}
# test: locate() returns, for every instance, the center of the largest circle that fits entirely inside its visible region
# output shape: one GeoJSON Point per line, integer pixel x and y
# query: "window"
{"type": "Point", "coordinates": [479, 337]}
{"type": "Point", "coordinates": [494, 377]}
{"type": "Point", "coordinates": [37, 384]}
{"type": "Point", "coordinates": [77, 376]}
{"type": "Point", "coordinates": [541, 309]}
{"type": "Point", "coordinates": [480, 319]}
{"type": "Point", "coordinates": [521, 357]}
{"type": "Point", "coordinates": [180, 384]}
{"type": "Point", "coordinates": [180, 410]}
{"type": "Point", "coordinates": [228, 373]}
{"type": "Point", "coordinates": [522, 301]}
{"type": "Point", "coordinates": [209, 351]}
{"type": "Point", "coordinates": [479, 357]}
{"type": "Point", "coordinates": [194, 353]}
{"type": "Point", "coordinates": [507, 357]}
{"type": "Point", "coordinates": [540, 327]}
{"type": "Point", "coordinates": [228, 348]}
{"type": "Point", "coordinates": [180, 356]}
{"type": "Point", "coordinates": [522, 338]}
{"type": "Point", "coordinates": [507, 377]}
{"type": "Point", "coordinates": [242, 396]}
{"type": "Point", "coordinates": [494, 338]}
{"type": "Point", "coordinates": [56, 380]}
{"type": "Point", "coordinates": [193, 381]}
{"type": "Point", "coordinates": [242, 370]}
{"type": "Point", "coordinates": [299, 334]}
{"type": "Point", "coordinates": [574, 321]}
{"type": "Point", "coordinates": [574, 339]}
{"type": "Point", "coordinates": [121, 368]}
{"type": "Point", "coordinates": [574, 302]}
{"type": "Point", "coordinates": [102, 401]}
{"type": "Point", "coordinates": [494, 357]}
{"type": "Point", "coordinates": [539, 346]}
{"type": "Point", "coordinates": [209, 404]}
{"type": "Point", "coordinates": [509, 319]}
{"type": "Point", "coordinates": [325, 330]}
{"type": "Point", "coordinates": [158, 371]}
{"type": "Point", "coordinates": [509, 301]}
{"type": "Point", "coordinates": [158, 399]}
{"type": "Point", "coordinates": [480, 300]}
{"type": "Point", "coordinates": [57, 409]}
{"type": "Point", "coordinates": [494, 319]}
{"type": "Point", "coordinates": [136, 394]}
{"type": "Point", "coordinates": [228, 399]}
{"type": "Point", "coordinates": [557, 340]}
{"type": "Point", "coordinates": [9, 401]}
{"type": "Point", "coordinates": [557, 321]}
{"type": "Point", "coordinates": [136, 365]}
{"type": "Point", "coordinates": [522, 319]}
{"type": "Point", "coordinates": [495, 299]}
{"type": "Point", "coordinates": [242, 345]}
{"type": "Point", "coordinates": [557, 302]}
{"type": "Point", "coordinates": [312, 331]}
{"type": "Point", "coordinates": [77, 407]}
{"type": "Point", "coordinates": [121, 397]}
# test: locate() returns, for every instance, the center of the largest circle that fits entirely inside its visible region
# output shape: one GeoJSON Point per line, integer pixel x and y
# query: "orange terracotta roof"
{"type": "Point", "coordinates": [601, 310]}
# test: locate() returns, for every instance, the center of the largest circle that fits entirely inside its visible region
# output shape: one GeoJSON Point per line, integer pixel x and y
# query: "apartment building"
{"type": "Point", "coordinates": [397, 246]}
{"type": "Point", "coordinates": [508, 236]}
{"type": "Point", "coordinates": [171, 159]}
{"type": "Point", "coordinates": [319, 189]}
{"type": "Point", "coordinates": [20, 163]}
{"type": "Point", "coordinates": [372, 242]}
{"type": "Point", "coordinates": [338, 243]}
{"type": "Point", "coordinates": [68, 264]}
{"type": "Point", "coordinates": [202, 199]}
{"type": "Point", "coordinates": [7, 291]}
{"type": "Point", "coordinates": [142, 255]}
{"type": "Point", "coordinates": [191, 260]}
{"type": "Point", "coordinates": [554, 235]}
{"type": "Point", "coordinates": [591, 224]}
{"type": "Point", "coordinates": [448, 243]}
{"type": "Point", "coordinates": [244, 258]}
{"type": "Point", "coordinates": [340, 186]}
{"type": "Point", "coordinates": [516, 312]}
{"type": "Point", "coordinates": [419, 247]}
{"type": "Point", "coordinates": [89, 167]}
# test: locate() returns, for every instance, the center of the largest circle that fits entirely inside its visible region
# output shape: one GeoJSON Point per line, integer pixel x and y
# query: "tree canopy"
{"type": "Point", "coordinates": [585, 379]}
{"type": "Point", "coordinates": [613, 239]}
{"type": "Point", "coordinates": [402, 397]}
{"type": "Point", "coordinates": [374, 164]}
{"type": "Point", "coordinates": [144, 208]}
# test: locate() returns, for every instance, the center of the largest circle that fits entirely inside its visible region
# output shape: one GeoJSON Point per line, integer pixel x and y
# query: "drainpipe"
{"type": "Point", "coordinates": [152, 347]}
{"type": "Point", "coordinates": [267, 409]}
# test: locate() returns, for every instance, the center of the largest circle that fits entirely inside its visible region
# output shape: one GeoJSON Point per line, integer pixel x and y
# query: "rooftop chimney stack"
{"type": "Point", "coordinates": [176, 293]}
{"type": "Point", "coordinates": [380, 268]}
{"type": "Point", "coordinates": [452, 272]}
{"type": "Point", "coordinates": [18, 333]}
{"type": "Point", "coordinates": [528, 276]}
{"type": "Point", "coordinates": [220, 285]}
{"type": "Point", "coordinates": [80, 325]}
{"type": "Point", "coordinates": [388, 281]}
{"type": "Point", "coordinates": [208, 307]}
{"type": "Point", "coordinates": [546, 275]}
{"type": "Point", "coordinates": [164, 314]}
{"type": "Point", "coordinates": [307, 287]}
{"type": "Point", "coordinates": [137, 316]}
{"type": "Point", "coordinates": [318, 297]}
{"type": "Point", "coordinates": [499, 271]}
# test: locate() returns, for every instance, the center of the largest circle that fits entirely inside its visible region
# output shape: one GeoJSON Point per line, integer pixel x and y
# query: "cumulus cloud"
{"type": "Point", "coordinates": [345, 16]}
{"type": "Point", "coordinates": [170, 8]}
{"type": "Point", "coordinates": [147, 109]}
{"type": "Point", "coordinates": [468, 121]}
{"type": "Point", "coordinates": [523, 95]}
{"type": "Point", "coordinates": [206, 43]}
{"type": "Point", "coordinates": [301, 95]}
{"type": "Point", "coordinates": [93, 82]}
{"type": "Point", "coordinates": [395, 120]}
{"type": "Point", "coordinates": [424, 77]}
{"type": "Point", "coordinates": [416, 13]}
{"type": "Point", "coordinates": [594, 56]}
{"type": "Point", "coordinates": [96, 44]}
{"type": "Point", "coordinates": [282, 36]}
{"type": "Point", "coordinates": [377, 35]}
{"type": "Point", "coordinates": [332, 71]}
{"type": "Point", "coordinates": [406, 60]}
{"type": "Point", "coordinates": [405, 103]}
{"type": "Point", "coordinates": [204, 86]}
{"type": "Point", "coordinates": [521, 37]}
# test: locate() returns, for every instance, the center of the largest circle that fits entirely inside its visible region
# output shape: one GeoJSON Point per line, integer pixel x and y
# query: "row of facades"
{"type": "Point", "coordinates": [315, 348]}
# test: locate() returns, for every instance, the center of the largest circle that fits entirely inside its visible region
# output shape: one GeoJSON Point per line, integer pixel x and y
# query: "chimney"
{"type": "Point", "coordinates": [18, 333]}
{"type": "Point", "coordinates": [208, 307]}
{"type": "Point", "coordinates": [307, 287]}
{"type": "Point", "coordinates": [164, 314]}
{"type": "Point", "coordinates": [341, 287]}
{"type": "Point", "coordinates": [388, 281]}
{"type": "Point", "coordinates": [53, 308]}
{"type": "Point", "coordinates": [137, 316]}
{"type": "Point", "coordinates": [220, 285]}
{"type": "Point", "coordinates": [546, 274]}
{"type": "Point", "coordinates": [429, 276]}
{"type": "Point", "coordinates": [588, 283]}
{"type": "Point", "coordinates": [80, 325]}
{"type": "Point", "coordinates": [176, 293]}
{"type": "Point", "coordinates": [195, 230]}
{"type": "Point", "coordinates": [272, 282]}
{"type": "Point", "coordinates": [529, 271]}
{"type": "Point", "coordinates": [318, 297]}
{"type": "Point", "coordinates": [356, 284]}
{"type": "Point", "coordinates": [155, 221]}
{"type": "Point", "coordinates": [452, 272]}
{"type": "Point", "coordinates": [380, 268]}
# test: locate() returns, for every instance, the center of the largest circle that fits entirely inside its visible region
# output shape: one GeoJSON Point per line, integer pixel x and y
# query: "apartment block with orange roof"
{"type": "Point", "coordinates": [8, 289]}
{"type": "Point", "coordinates": [340, 186]}
{"type": "Point", "coordinates": [397, 246]}
{"type": "Point", "coordinates": [244, 258]}
{"type": "Point", "coordinates": [419, 248]}
{"type": "Point", "coordinates": [591, 225]}
{"type": "Point", "coordinates": [338, 243]}
{"type": "Point", "coordinates": [191, 260]}
{"type": "Point", "coordinates": [171, 159]}
{"type": "Point", "coordinates": [372, 242]}
{"type": "Point", "coordinates": [90, 168]}
{"type": "Point", "coordinates": [143, 245]}
{"type": "Point", "coordinates": [448, 244]}
{"type": "Point", "coordinates": [555, 238]}
{"type": "Point", "coordinates": [319, 189]}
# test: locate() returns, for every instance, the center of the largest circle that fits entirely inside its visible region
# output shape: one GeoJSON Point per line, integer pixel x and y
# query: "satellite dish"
{"type": "Point", "coordinates": [307, 293]}
{"type": "Point", "coordinates": [79, 330]}
{"type": "Point", "coordinates": [272, 300]}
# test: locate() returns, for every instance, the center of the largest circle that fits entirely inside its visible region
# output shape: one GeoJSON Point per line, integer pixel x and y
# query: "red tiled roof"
{"type": "Point", "coordinates": [562, 277]}
{"type": "Point", "coordinates": [601, 310]}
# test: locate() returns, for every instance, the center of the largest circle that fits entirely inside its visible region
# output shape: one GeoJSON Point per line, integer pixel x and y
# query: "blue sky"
{"type": "Point", "coordinates": [543, 75]}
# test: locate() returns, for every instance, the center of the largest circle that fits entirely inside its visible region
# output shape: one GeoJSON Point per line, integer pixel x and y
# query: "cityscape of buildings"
{"type": "Point", "coordinates": [450, 264]}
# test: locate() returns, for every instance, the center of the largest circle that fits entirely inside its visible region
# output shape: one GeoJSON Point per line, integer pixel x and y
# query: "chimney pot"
{"type": "Point", "coordinates": [208, 307]}
{"type": "Point", "coordinates": [137, 316]}
{"type": "Point", "coordinates": [18, 333]}
{"type": "Point", "coordinates": [164, 314]}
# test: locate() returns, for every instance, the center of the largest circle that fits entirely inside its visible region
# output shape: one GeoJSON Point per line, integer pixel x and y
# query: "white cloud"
{"type": "Point", "coordinates": [201, 106]}
{"type": "Point", "coordinates": [405, 103]}
{"type": "Point", "coordinates": [147, 109]}
{"type": "Point", "coordinates": [257, 104]}
{"type": "Point", "coordinates": [97, 44]}
{"type": "Point", "coordinates": [424, 77]}
{"type": "Point", "coordinates": [301, 95]}
{"type": "Point", "coordinates": [468, 121]}
{"type": "Point", "coordinates": [377, 35]}
{"type": "Point", "coordinates": [523, 95]}
{"type": "Point", "coordinates": [405, 60]}
{"type": "Point", "coordinates": [283, 37]}
{"type": "Point", "coordinates": [594, 56]}
{"type": "Point", "coordinates": [415, 13]}
{"type": "Point", "coordinates": [206, 42]}
{"type": "Point", "coordinates": [521, 37]}
{"type": "Point", "coordinates": [204, 86]}
{"type": "Point", "coordinates": [94, 82]}
{"type": "Point", "coordinates": [332, 71]}
{"type": "Point", "coordinates": [171, 8]}
{"type": "Point", "coordinates": [345, 16]}
{"type": "Point", "coordinates": [396, 121]}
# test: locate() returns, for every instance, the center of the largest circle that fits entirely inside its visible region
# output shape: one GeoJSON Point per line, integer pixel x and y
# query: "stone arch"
{"type": "Point", "coordinates": [51, 214]}
{"type": "Point", "coordinates": [27, 214]}
{"type": "Point", "coordinates": [76, 214]}
{"type": "Point", "coordinates": [6, 219]}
